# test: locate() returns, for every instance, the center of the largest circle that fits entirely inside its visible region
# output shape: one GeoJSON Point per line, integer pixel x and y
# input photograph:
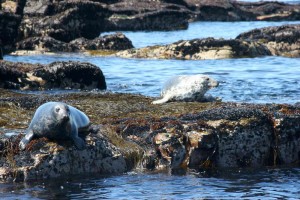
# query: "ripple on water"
{"type": "Point", "coordinates": [255, 80]}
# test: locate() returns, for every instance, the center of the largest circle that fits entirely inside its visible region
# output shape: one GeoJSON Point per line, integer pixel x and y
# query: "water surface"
{"type": "Point", "coordinates": [282, 183]}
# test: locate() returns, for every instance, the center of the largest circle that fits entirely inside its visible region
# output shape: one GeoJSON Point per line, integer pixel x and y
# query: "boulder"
{"type": "Point", "coordinates": [113, 42]}
{"type": "Point", "coordinates": [64, 75]}
{"type": "Point", "coordinates": [280, 40]}
{"type": "Point", "coordinates": [198, 49]}
{"type": "Point", "coordinates": [68, 20]}
{"type": "Point", "coordinates": [129, 132]}
{"type": "Point", "coordinates": [220, 10]}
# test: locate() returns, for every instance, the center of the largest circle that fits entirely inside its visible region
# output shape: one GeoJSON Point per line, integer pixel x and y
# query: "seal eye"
{"type": "Point", "coordinates": [57, 109]}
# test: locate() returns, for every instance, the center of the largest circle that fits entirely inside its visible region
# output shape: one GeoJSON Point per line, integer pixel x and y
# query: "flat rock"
{"type": "Point", "coordinates": [199, 49]}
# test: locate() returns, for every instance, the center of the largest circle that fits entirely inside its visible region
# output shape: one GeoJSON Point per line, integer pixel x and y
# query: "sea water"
{"type": "Point", "coordinates": [267, 79]}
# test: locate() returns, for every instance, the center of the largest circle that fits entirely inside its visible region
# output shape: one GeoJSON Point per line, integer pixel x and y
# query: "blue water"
{"type": "Point", "coordinates": [231, 184]}
{"type": "Point", "coordinates": [254, 80]}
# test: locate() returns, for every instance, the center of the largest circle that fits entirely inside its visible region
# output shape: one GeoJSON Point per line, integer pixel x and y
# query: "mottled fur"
{"type": "Point", "coordinates": [186, 88]}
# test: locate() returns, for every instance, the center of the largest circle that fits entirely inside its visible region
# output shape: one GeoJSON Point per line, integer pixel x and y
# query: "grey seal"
{"type": "Point", "coordinates": [186, 88]}
{"type": "Point", "coordinates": [56, 120]}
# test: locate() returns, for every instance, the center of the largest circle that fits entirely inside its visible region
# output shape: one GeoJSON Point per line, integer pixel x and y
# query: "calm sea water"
{"type": "Point", "coordinates": [255, 80]}
{"type": "Point", "coordinates": [231, 184]}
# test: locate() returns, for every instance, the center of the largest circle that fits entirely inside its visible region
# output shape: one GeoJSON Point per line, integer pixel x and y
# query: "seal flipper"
{"type": "Point", "coordinates": [79, 143]}
{"type": "Point", "coordinates": [29, 135]}
{"type": "Point", "coordinates": [160, 101]}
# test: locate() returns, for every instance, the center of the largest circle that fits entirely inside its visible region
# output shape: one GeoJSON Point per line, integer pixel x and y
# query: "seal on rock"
{"type": "Point", "coordinates": [186, 88]}
{"type": "Point", "coordinates": [57, 120]}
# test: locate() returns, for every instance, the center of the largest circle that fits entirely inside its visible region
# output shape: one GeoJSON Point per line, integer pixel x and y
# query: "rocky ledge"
{"type": "Point", "coordinates": [197, 49]}
{"type": "Point", "coordinates": [107, 43]}
{"type": "Point", "coordinates": [62, 75]}
{"type": "Point", "coordinates": [276, 41]}
{"type": "Point", "coordinates": [129, 132]}
{"type": "Point", "coordinates": [280, 40]}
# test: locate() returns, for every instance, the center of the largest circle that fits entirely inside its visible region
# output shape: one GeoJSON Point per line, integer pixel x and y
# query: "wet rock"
{"type": "Point", "coordinates": [287, 129]}
{"type": "Point", "coordinates": [66, 21]}
{"type": "Point", "coordinates": [271, 11]}
{"type": "Point", "coordinates": [128, 132]}
{"type": "Point", "coordinates": [45, 159]}
{"type": "Point", "coordinates": [280, 40]}
{"type": "Point", "coordinates": [198, 49]}
{"type": "Point", "coordinates": [220, 10]}
{"type": "Point", "coordinates": [113, 42]}
{"type": "Point", "coordinates": [64, 75]}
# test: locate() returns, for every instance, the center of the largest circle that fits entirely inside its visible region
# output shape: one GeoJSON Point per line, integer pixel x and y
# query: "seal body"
{"type": "Point", "coordinates": [186, 88]}
{"type": "Point", "coordinates": [56, 120]}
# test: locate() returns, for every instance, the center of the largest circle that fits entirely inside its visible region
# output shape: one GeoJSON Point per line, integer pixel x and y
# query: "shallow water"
{"type": "Point", "coordinates": [254, 80]}
{"type": "Point", "coordinates": [228, 184]}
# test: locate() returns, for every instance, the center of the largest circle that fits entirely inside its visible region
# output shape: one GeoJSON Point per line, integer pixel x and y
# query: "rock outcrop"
{"type": "Point", "coordinates": [220, 10]}
{"type": "Point", "coordinates": [128, 131]}
{"type": "Point", "coordinates": [197, 49]}
{"type": "Point", "coordinates": [113, 42]}
{"type": "Point", "coordinates": [64, 75]}
{"type": "Point", "coordinates": [64, 21]}
{"type": "Point", "coordinates": [280, 40]}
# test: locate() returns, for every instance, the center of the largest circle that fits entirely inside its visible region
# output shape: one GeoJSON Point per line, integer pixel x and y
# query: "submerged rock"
{"type": "Point", "coordinates": [64, 75]}
{"type": "Point", "coordinates": [129, 132]}
{"type": "Point", "coordinates": [199, 49]}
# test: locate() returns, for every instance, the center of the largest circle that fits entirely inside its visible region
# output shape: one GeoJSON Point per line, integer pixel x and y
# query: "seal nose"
{"type": "Point", "coordinates": [65, 117]}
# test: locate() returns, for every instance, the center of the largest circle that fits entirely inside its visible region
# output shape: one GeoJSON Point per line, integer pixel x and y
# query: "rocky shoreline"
{"type": "Point", "coordinates": [129, 132]}
{"type": "Point", "coordinates": [70, 26]}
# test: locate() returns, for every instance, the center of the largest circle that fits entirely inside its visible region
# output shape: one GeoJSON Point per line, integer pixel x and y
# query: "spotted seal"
{"type": "Point", "coordinates": [186, 88]}
{"type": "Point", "coordinates": [56, 120]}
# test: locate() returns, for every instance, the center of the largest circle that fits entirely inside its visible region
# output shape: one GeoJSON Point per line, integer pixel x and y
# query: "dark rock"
{"type": "Point", "coordinates": [155, 20]}
{"type": "Point", "coordinates": [280, 40]}
{"type": "Point", "coordinates": [114, 42]}
{"type": "Point", "coordinates": [66, 21]}
{"type": "Point", "coordinates": [64, 75]}
{"type": "Point", "coordinates": [197, 49]}
{"type": "Point", "coordinates": [111, 42]}
{"type": "Point", "coordinates": [9, 23]}
{"type": "Point", "coordinates": [220, 10]}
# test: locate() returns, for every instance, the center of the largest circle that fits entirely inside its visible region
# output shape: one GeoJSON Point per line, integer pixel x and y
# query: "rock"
{"type": "Point", "coordinates": [220, 10]}
{"type": "Point", "coordinates": [280, 40]}
{"type": "Point", "coordinates": [113, 42]}
{"type": "Point", "coordinates": [271, 11]}
{"type": "Point", "coordinates": [9, 23]}
{"type": "Point", "coordinates": [64, 75]}
{"type": "Point", "coordinates": [46, 159]}
{"type": "Point", "coordinates": [66, 21]}
{"type": "Point", "coordinates": [198, 49]}
{"type": "Point", "coordinates": [129, 132]}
